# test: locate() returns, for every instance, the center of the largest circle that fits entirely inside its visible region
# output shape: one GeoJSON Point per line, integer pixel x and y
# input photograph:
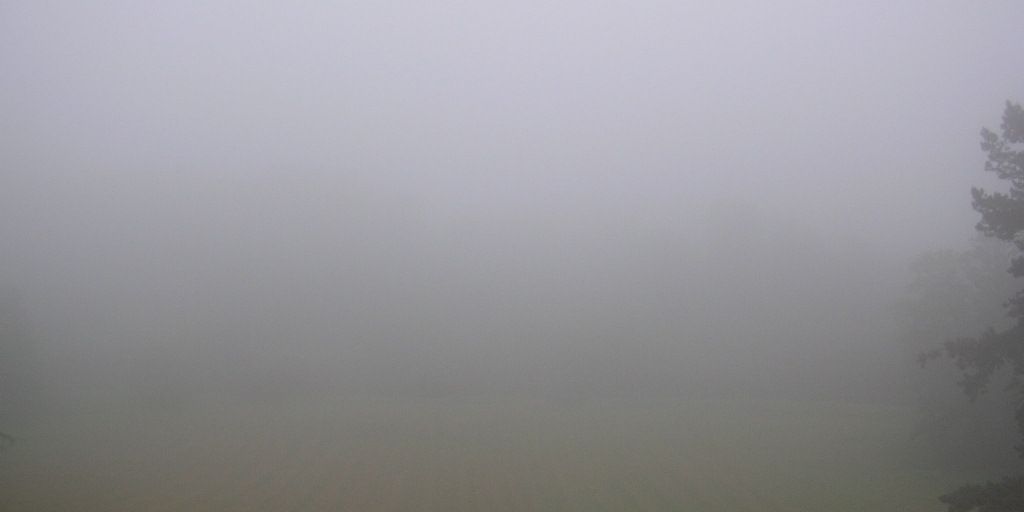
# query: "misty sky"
{"type": "Point", "coordinates": [471, 170]}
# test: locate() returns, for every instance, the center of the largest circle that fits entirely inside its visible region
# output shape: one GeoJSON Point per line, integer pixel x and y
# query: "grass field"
{"type": "Point", "coordinates": [502, 452]}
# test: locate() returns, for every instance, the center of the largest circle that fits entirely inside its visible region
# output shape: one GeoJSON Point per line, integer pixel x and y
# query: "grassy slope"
{"type": "Point", "coordinates": [479, 453]}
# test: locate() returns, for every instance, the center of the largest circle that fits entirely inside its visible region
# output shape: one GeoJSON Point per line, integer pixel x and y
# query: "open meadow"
{"type": "Point", "coordinates": [500, 452]}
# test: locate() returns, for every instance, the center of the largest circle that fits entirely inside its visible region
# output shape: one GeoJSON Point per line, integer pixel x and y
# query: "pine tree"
{"type": "Point", "coordinates": [982, 357]}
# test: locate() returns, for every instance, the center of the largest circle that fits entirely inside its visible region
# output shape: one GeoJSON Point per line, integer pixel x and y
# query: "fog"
{"type": "Point", "coordinates": [566, 200]}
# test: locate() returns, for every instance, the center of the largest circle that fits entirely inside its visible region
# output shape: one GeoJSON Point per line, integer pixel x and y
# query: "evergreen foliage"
{"type": "Point", "coordinates": [981, 358]}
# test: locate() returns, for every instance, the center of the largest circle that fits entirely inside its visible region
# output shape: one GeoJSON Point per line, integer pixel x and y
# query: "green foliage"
{"type": "Point", "coordinates": [981, 358]}
{"type": "Point", "coordinates": [1002, 217]}
{"type": "Point", "coordinates": [953, 294]}
{"type": "Point", "coordinates": [1002, 214]}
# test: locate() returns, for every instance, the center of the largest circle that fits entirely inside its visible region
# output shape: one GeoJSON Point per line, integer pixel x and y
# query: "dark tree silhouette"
{"type": "Point", "coordinates": [982, 358]}
{"type": "Point", "coordinates": [958, 293]}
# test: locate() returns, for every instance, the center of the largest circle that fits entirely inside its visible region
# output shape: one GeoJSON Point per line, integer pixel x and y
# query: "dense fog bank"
{"type": "Point", "coordinates": [590, 199]}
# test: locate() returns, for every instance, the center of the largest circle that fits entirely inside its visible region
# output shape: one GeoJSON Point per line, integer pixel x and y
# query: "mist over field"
{"type": "Point", "coordinates": [634, 235]}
